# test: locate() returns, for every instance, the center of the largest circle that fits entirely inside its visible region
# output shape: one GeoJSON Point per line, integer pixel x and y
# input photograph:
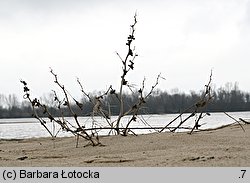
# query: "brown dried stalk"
{"type": "Point", "coordinates": [36, 103]}
{"type": "Point", "coordinates": [78, 131]}
{"type": "Point", "coordinates": [134, 110]}
{"type": "Point", "coordinates": [128, 64]}
{"type": "Point", "coordinates": [97, 104]}
{"type": "Point", "coordinates": [237, 120]}
{"type": "Point", "coordinates": [196, 108]}
{"type": "Point", "coordinates": [98, 109]}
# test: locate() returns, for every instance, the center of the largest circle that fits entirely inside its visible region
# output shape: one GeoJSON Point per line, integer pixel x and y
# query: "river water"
{"type": "Point", "coordinates": [29, 127]}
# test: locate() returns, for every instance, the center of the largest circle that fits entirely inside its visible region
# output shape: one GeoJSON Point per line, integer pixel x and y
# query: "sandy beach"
{"type": "Point", "coordinates": [228, 146]}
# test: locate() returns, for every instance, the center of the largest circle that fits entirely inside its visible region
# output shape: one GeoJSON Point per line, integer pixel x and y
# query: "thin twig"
{"type": "Point", "coordinates": [234, 120]}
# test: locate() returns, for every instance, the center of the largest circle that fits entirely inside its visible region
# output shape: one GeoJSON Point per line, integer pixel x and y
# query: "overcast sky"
{"type": "Point", "coordinates": [182, 39]}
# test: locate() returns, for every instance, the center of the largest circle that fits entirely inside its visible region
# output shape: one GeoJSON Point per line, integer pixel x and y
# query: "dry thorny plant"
{"type": "Point", "coordinates": [91, 134]}
{"type": "Point", "coordinates": [76, 127]}
{"type": "Point", "coordinates": [197, 110]}
{"type": "Point", "coordinates": [78, 130]}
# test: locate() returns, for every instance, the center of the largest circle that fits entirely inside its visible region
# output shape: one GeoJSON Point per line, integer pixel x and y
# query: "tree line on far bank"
{"type": "Point", "coordinates": [228, 98]}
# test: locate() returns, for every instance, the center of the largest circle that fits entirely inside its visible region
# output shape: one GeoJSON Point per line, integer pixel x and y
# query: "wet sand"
{"type": "Point", "coordinates": [228, 146]}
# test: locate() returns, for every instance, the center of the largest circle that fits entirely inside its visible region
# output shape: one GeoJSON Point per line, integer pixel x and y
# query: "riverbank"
{"type": "Point", "coordinates": [228, 146]}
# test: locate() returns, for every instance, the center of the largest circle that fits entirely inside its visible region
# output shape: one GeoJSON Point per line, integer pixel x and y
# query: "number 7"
{"type": "Point", "coordinates": [243, 173]}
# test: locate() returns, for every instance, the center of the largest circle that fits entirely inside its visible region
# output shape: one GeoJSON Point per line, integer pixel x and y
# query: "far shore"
{"type": "Point", "coordinates": [227, 146]}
